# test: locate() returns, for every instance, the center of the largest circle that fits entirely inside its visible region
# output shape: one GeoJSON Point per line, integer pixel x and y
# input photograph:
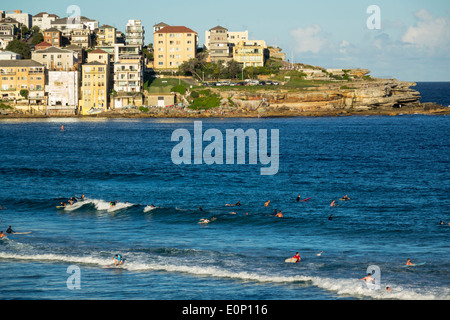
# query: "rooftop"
{"type": "Point", "coordinates": [20, 63]}
{"type": "Point", "coordinates": [176, 29]}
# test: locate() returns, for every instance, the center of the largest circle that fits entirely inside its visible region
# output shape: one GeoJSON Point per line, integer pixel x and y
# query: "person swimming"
{"type": "Point", "coordinates": [238, 204]}
{"type": "Point", "coordinates": [267, 204]}
{"type": "Point", "coordinates": [279, 215]}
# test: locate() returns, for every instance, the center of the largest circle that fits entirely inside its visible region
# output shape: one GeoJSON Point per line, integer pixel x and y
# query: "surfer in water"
{"type": "Point", "coordinates": [333, 204]}
{"type": "Point", "coordinates": [238, 204]}
{"type": "Point", "coordinates": [10, 230]}
{"type": "Point", "coordinates": [297, 257]}
{"type": "Point", "coordinates": [267, 204]}
{"type": "Point", "coordinates": [118, 260]}
{"type": "Point", "coordinates": [299, 198]}
{"type": "Point", "coordinates": [368, 278]}
{"type": "Point", "coordinates": [2, 235]}
{"type": "Point", "coordinates": [409, 263]}
{"type": "Point", "coordinates": [279, 215]}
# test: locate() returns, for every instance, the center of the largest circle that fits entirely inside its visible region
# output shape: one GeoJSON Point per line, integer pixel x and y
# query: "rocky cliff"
{"type": "Point", "coordinates": [364, 95]}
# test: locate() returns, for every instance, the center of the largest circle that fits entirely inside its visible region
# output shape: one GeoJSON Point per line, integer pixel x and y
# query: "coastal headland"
{"type": "Point", "coordinates": [315, 99]}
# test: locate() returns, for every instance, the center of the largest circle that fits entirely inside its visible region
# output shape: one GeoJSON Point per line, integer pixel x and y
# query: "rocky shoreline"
{"type": "Point", "coordinates": [365, 98]}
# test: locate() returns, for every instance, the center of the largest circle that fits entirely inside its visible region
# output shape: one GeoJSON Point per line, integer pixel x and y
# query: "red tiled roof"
{"type": "Point", "coordinates": [98, 51]}
{"type": "Point", "coordinates": [175, 29]}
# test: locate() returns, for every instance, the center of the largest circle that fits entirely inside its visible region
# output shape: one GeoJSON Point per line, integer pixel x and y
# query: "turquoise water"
{"type": "Point", "coordinates": [395, 170]}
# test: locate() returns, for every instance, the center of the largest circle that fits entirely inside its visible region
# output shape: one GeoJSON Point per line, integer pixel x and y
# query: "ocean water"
{"type": "Point", "coordinates": [437, 92]}
{"type": "Point", "coordinates": [396, 170]}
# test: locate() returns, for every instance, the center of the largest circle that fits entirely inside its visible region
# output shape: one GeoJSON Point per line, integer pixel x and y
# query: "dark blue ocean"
{"type": "Point", "coordinates": [396, 170]}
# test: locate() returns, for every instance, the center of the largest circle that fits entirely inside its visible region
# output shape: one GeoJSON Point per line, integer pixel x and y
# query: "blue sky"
{"type": "Point", "coordinates": [413, 43]}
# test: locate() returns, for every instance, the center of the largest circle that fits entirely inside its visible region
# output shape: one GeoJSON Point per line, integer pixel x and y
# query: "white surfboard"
{"type": "Point", "coordinates": [291, 260]}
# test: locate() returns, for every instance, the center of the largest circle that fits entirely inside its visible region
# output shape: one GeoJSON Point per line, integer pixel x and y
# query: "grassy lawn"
{"type": "Point", "coordinates": [162, 85]}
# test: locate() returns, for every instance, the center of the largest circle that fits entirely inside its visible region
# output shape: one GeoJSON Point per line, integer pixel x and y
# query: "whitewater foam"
{"type": "Point", "coordinates": [99, 205]}
{"type": "Point", "coordinates": [342, 287]}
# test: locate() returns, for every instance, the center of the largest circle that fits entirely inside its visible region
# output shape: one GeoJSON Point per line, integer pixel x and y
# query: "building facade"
{"type": "Point", "coordinates": [94, 90]}
{"type": "Point", "coordinates": [106, 36]}
{"type": "Point", "coordinates": [7, 35]}
{"type": "Point", "coordinates": [53, 36]}
{"type": "Point", "coordinates": [57, 59]}
{"type": "Point", "coordinates": [22, 17]}
{"type": "Point", "coordinates": [135, 33]}
{"type": "Point", "coordinates": [22, 76]}
{"type": "Point", "coordinates": [43, 20]}
{"type": "Point", "coordinates": [129, 73]}
{"type": "Point", "coordinates": [250, 53]}
{"type": "Point", "coordinates": [219, 47]}
{"type": "Point", "coordinates": [81, 38]}
{"type": "Point", "coordinates": [174, 45]}
{"type": "Point", "coordinates": [63, 92]}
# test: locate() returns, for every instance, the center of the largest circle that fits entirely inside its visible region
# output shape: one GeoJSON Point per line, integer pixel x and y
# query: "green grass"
{"type": "Point", "coordinates": [164, 85]}
{"type": "Point", "coordinates": [4, 106]}
{"type": "Point", "coordinates": [204, 103]}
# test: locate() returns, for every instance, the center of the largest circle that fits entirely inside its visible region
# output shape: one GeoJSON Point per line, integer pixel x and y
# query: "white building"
{"type": "Point", "coordinates": [233, 37]}
{"type": "Point", "coordinates": [135, 33]}
{"type": "Point", "coordinates": [63, 92]}
{"type": "Point", "coordinates": [129, 73]}
{"type": "Point", "coordinates": [23, 18]}
{"type": "Point", "coordinates": [43, 20]}
{"type": "Point", "coordinates": [8, 55]}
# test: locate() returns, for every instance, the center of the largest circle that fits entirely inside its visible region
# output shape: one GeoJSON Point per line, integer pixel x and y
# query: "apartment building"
{"type": "Point", "coordinates": [43, 20]}
{"type": "Point", "coordinates": [174, 45]}
{"type": "Point", "coordinates": [57, 59]}
{"type": "Point", "coordinates": [129, 73]}
{"type": "Point", "coordinates": [53, 36]}
{"type": "Point", "coordinates": [233, 37]}
{"type": "Point", "coordinates": [135, 33]}
{"type": "Point", "coordinates": [7, 35]}
{"type": "Point", "coordinates": [67, 25]}
{"type": "Point", "coordinates": [27, 75]}
{"type": "Point", "coordinates": [250, 53]}
{"type": "Point", "coordinates": [106, 36]}
{"type": "Point", "coordinates": [21, 17]}
{"type": "Point", "coordinates": [63, 92]}
{"type": "Point", "coordinates": [81, 38]}
{"type": "Point", "coordinates": [99, 56]}
{"type": "Point", "coordinates": [218, 46]}
{"type": "Point", "coordinates": [94, 88]}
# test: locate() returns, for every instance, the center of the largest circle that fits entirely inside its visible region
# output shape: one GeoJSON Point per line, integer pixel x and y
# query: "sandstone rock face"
{"type": "Point", "coordinates": [362, 95]}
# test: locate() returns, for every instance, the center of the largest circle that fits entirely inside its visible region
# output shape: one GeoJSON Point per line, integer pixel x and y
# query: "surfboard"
{"type": "Point", "coordinates": [114, 267]}
{"type": "Point", "coordinates": [306, 199]}
{"type": "Point", "coordinates": [416, 265]}
{"type": "Point", "coordinates": [22, 233]}
{"type": "Point", "coordinates": [60, 207]}
{"type": "Point", "coordinates": [291, 260]}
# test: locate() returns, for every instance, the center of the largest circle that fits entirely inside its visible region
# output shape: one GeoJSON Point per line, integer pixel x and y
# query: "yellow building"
{"type": "Point", "coordinates": [27, 76]}
{"type": "Point", "coordinates": [106, 36]}
{"type": "Point", "coordinates": [94, 88]}
{"type": "Point", "coordinates": [173, 46]}
{"type": "Point", "coordinates": [250, 53]}
{"type": "Point", "coordinates": [99, 56]}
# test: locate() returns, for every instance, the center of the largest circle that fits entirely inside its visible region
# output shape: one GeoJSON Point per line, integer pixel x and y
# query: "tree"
{"type": "Point", "coordinates": [19, 47]}
{"type": "Point", "coordinates": [37, 38]}
{"type": "Point", "coordinates": [24, 93]}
